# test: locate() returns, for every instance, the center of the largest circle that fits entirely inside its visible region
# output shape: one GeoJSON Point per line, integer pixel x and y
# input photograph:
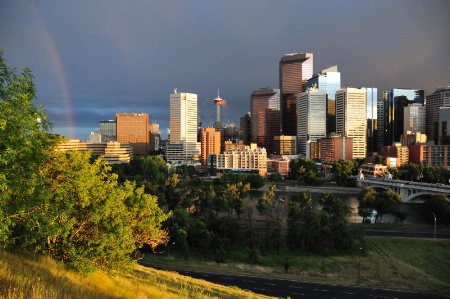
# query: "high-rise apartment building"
{"type": "Point", "coordinates": [351, 121]}
{"type": "Point", "coordinates": [329, 81]}
{"type": "Point", "coordinates": [440, 98]}
{"type": "Point", "coordinates": [392, 112]}
{"type": "Point", "coordinates": [265, 121]}
{"type": "Point", "coordinates": [210, 143]}
{"type": "Point", "coordinates": [133, 128]}
{"type": "Point", "coordinates": [312, 119]}
{"type": "Point", "coordinates": [108, 130]}
{"type": "Point", "coordinates": [295, 70]}
{"type": "Point", "coordinates": [183, 123]}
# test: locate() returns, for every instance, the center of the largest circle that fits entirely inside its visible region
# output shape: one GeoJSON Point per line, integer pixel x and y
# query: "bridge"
{"type": "Point", "coordinates": [411, 192]}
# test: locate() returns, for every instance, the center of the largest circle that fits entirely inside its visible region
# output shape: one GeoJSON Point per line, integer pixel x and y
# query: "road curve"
{"type": "Point", "coordinates": [282, 288]}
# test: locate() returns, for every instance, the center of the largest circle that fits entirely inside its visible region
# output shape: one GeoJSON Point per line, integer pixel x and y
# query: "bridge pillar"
{"type": "Point", "coordinates": [404, 193]}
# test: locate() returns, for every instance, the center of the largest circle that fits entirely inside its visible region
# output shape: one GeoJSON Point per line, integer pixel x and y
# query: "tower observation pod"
{"type": "Point", "coordinates": [218, 102]}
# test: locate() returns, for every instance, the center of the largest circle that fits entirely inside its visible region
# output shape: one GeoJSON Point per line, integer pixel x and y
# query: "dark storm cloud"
{"type": "Point", "coordinates": [92, 59]}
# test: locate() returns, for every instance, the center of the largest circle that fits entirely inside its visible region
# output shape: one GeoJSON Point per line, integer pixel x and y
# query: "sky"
{"type": "Point", "coordinates": [92, 59]}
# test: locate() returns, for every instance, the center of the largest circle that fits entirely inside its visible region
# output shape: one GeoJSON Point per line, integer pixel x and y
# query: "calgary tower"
{"type": "Point", "coordinates": [218, 102]}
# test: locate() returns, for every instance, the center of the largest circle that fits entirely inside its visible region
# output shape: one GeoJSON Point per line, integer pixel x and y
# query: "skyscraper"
{"type": "Point", "coordinates": [294, 70]}
{"type": "Point", "coordinates": [183, 123]}
{"type": "Point", "coordinates": [414, 119]}
{"type": "Point", "coordinates": [351, 121]}
{"type": "Point", "coordinates": [372, 123]}
{"type": "Point", "coordinates": [329, 81]}
{"type": "Point", "coordinates": [440, 98]}
{"type": "Point", "coordinates": [394, 102]}
{"type": "Point", "coordinates": [311, 119]}
{"type": "Point", "coordinates": [133, 128]}
{"type": "Point", "coordinates": [265, 120]}
{"type": "Point", "coordinates": [245, 129]}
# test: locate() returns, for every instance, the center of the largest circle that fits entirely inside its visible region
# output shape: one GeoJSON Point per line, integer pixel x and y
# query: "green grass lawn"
{"type": "Point", "coordinates": [421, 265]}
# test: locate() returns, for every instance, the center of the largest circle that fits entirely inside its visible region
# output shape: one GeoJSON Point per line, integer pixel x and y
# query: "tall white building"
{"type": "Point", "coordinates": [311, 119]}
{"type": "Point", "coordinates": [183, 124]}
{"type": "Point", "coordinates": [351, 121]}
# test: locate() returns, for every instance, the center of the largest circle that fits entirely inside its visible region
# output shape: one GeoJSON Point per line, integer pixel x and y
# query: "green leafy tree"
{"type": "Point", "coordinates": [338, 212]}
{"type": "Point", "coordinates": [304, 170]}
{"type": "Point", "coordinates": [276, 177]}
{"type": "Point", "coordinates": [437, 204]}
{"type": "Point", "coordinates": [269, 208]}
{"type": "Point", "coordinates": [302, 224]}
{"type": "Point", "coordinates": [386, 203]}
{"type": "Point", "coordinates": [366, 200]}
{"type": "Point", "coordinates": [25, 142]}
{"type": "Point", "coordinates": [235, 194]}
{"type": "Point", "coordinates": [64, 204]}
{"type": "Point", "coordinates": [255, 180]}
{"type": "Point", "coordinates": [342, 170]}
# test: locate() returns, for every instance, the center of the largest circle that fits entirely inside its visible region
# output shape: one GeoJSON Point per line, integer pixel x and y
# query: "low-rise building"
{"type": "Point", "coordinates": [112, 152]}
{"type": "Point", "coordinates": [247, 160]}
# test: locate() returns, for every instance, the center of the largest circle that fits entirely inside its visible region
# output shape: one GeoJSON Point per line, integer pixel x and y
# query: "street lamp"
{"type": "Point", "coordinates": [168, 253]}
{"type": "Point", "coordinates": [434, 225]}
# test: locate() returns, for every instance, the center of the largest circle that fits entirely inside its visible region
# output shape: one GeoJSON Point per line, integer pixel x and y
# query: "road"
{"type": "Point", "coordinates": [298, 289]}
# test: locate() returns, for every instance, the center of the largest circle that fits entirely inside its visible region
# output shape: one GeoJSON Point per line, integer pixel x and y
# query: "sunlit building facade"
{"type": "Point", "coordinates": [329, 81]}
{"type": "Point", "coordinates": [210, 143]}
{"type": "Point", "coordinates": [351, 121]}
{"type": "Point", "coordinates": [183, 124]}
{"type": "Point", "coordinates": [311, 122]}
{"type": "Point", "coordinates": [133, 129]}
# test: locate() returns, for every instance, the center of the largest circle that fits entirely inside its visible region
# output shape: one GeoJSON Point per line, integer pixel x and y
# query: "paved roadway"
{"type": "Point", "coordinates": [298, 289]}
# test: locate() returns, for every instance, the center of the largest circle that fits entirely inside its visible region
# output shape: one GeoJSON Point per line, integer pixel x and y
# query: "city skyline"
{"type": "Point", "coordinates": [93, 60]}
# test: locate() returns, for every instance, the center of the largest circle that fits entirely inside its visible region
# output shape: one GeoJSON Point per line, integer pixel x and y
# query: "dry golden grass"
{"type": "Point", "coordinates": [42, 278]}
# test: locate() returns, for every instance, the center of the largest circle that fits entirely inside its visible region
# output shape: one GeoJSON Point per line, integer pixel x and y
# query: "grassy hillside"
{"type": "Point", "coordinates": [25, 276]}
{"type": "Point", "coordinates": [421, 265]}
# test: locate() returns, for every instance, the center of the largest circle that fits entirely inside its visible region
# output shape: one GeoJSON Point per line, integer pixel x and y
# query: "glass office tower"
{"type": "Point", "coordinates": [394, 102]}
{"type": "Point", "coordinates": [265, 117]}
{"type": "Point", "coordinates": [311, 119]}
{"type": "Point", "coordinates": [328, 81]}
{"type": "Point", "coordinates": [372, 124]}
{"type": "Point", "coordinates": [295, 70]}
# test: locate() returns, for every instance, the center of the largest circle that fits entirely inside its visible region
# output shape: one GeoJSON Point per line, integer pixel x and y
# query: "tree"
{"type": "Point", "coordinates": [276, 177]}
{"type": "Point", "coordinates": [386, 203]}
{"type": "Point", "coordinates": [437, 204]}
{"type": "Point", "coordinates": [64, 204]}
{"type": "Point", "coordinates": [366, 199]}
{"type": "Point", "coordinates": [303, 169]}
{"type": "Point", "coordinates": [342, 170]}
{"type": "Point", "coordinates": [235, 194]}
{"type": "Point", "coordinates": [267, 207]}
{"type": "Point", "coordinates": [255, 180]}
{"type": "Point", "coordinates": [25, 141]}
{"type": "Point", "coordinates": [302, 223]}
{"type": "Point", "coordinates": [338, 212]}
